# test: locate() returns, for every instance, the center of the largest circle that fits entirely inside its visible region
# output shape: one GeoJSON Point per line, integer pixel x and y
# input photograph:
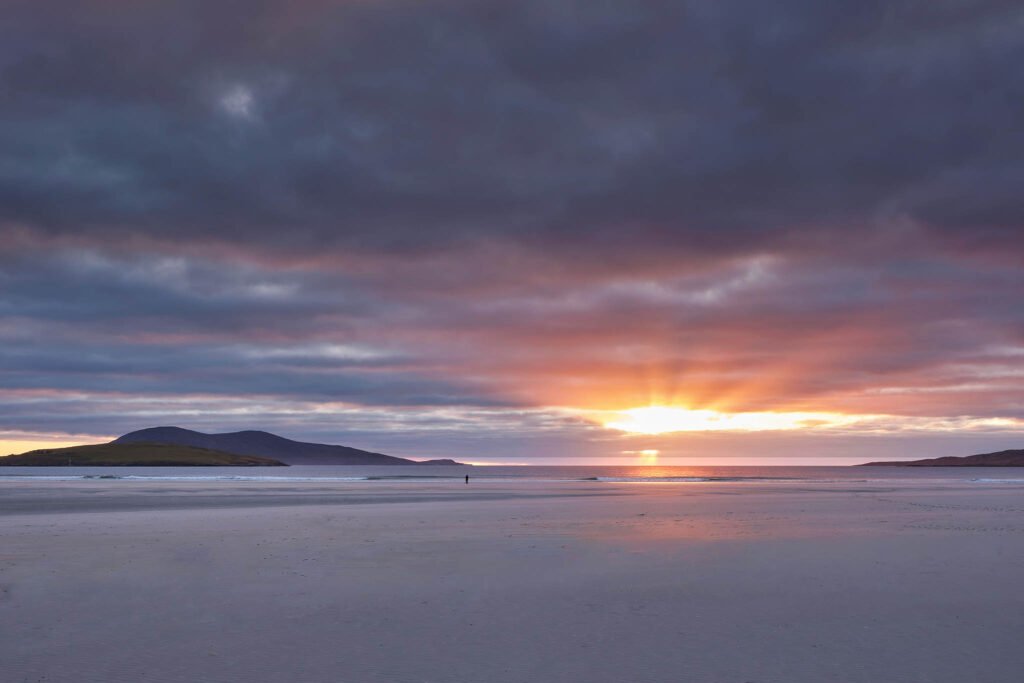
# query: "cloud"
{"type": "Point", "coordinates": [395, 126]}
{"type": "Point", "coordinates": [803, 207]}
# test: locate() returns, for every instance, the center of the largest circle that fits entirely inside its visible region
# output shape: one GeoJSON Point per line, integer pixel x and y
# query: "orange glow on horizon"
{"type": "Point", "coordinates": [665, 420]}
{"type": "Point", "coordinates": [14, 446]}
{"type": "Point", "coordinates": [647, 456]}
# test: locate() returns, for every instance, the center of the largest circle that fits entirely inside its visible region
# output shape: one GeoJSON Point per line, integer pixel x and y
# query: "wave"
{"type": "Point", "coordinates": [414, 477]}
{"type": "Point", "coordinates": [477, 478]}
{"type": "Point", "coordinates": [170, 477]}
{"type": "Point", "coordinates": [694, 480]}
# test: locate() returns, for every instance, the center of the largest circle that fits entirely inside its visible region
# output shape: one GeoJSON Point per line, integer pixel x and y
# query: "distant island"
{"type": "Point", "coordinates": [134, 455]}
{"type": "Point", "coordinates": [1011, 458]}
{"type": "Point", "coordinates": [183, 447]}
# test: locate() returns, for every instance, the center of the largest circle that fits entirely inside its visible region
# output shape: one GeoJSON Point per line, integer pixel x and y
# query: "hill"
{"type": "Point", "coordinates": [133, 454]}
{"type": "Point", "coordinates": [1011, 458]}
{"type": "Point", "coordinates": [265, 444]}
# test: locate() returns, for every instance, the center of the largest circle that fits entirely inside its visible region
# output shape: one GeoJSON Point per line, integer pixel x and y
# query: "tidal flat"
{"type": "Point", "coordinates": [777, 582]}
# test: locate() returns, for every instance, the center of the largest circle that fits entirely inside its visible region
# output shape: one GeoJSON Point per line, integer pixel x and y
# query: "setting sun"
{"type": "Point", "coordinates": [663, 420]}
{"type": "Point", "coordinates": [648, 456]}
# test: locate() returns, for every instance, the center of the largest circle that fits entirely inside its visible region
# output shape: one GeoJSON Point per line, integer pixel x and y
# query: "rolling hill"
{"type": "Point", "coordinates": [134, 454]}
{"type": "Point", "coordinates": [265, 444]}
{"type": "Point", "coordinates": [1010, 458]}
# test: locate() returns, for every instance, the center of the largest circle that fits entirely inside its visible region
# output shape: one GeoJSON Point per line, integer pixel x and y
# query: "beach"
{"type": "Point", "coordinates": [505, 581]}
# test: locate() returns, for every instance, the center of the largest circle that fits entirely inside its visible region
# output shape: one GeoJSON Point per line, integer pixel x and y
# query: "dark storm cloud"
{"type": "Point", "coordinates": [168, 292]}
{"type": "Point", "coordinates": [499, 204]}
{"type": "Point", "coordinates": [725, 126]}
{"type": "Point", "coordinates": [84, 322]}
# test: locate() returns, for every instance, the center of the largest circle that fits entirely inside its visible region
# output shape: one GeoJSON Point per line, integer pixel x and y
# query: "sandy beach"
{"type": "Point", "coordinates": [510, 582]}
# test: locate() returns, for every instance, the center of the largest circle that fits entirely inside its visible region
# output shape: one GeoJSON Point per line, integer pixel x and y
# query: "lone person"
{"type": "Point", "coordinates": [467, 478]}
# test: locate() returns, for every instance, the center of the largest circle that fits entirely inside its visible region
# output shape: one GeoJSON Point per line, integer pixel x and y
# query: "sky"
{"type": "Point", "coordinates": [485, 229]}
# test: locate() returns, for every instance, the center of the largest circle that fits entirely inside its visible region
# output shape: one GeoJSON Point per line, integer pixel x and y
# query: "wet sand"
{"type": "Point", "coordinates": [185, 581]}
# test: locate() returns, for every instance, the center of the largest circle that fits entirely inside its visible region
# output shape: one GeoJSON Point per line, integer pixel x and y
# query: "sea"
{"type": "Point", "coordinates": [581, 474]}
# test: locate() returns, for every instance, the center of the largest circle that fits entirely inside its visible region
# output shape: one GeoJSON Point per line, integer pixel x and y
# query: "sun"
{"type": "Point", "coordinates": [661, 420]}
{"type": "Point", "coordinates": [665, 419]}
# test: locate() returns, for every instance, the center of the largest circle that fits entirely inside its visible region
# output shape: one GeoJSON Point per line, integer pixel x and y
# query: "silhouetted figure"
{"type": "Point", "coordinates": [467, 478]}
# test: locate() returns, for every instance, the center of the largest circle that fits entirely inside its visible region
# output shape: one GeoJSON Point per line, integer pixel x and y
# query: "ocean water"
{"type": "Point", "coordinates": [583, 474]}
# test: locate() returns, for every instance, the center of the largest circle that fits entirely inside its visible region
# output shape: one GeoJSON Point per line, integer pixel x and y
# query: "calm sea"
{"type": "Point", "coordinates": [524, 474]}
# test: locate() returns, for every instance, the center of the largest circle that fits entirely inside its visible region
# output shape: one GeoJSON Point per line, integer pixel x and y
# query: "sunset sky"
{"type": "Point", "coordinates": [485, 229]}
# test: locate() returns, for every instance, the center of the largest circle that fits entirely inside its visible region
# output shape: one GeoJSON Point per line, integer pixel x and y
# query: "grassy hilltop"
{"type": "Point", "coordinates": [134, 454]}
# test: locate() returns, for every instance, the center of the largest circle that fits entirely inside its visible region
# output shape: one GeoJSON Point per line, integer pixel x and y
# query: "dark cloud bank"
{"type": "Point", "coordinates": [457, 215]}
